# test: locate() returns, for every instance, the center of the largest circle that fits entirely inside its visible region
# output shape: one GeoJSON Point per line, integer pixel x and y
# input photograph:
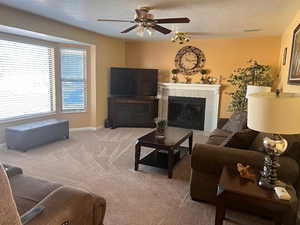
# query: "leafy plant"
{"type": "Point", "coordinates": [160, 123]}
{"type": "Point", "coordinates": [254, 74]}
{"type": "Point", "coordinates": [204, 71]}
{"type": "Point", "coordinates": [175, 71]}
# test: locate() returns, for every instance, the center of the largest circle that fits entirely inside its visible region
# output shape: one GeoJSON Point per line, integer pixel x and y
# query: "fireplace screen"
{"type": "Point", "coordinates": [186, 112]}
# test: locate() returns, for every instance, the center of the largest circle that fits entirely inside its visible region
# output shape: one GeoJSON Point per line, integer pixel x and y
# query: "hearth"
{"type": "Point", "coordinates": [186, 112]}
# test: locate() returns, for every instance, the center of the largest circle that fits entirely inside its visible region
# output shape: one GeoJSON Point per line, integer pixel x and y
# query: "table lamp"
{"type": "Point", "coordinates": [251, 89]}
{"type": "Point", "coordinates": [274, 113]}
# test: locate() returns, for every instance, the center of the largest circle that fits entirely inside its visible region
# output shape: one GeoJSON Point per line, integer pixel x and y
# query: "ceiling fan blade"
{"type": "Point", "coordinates": [129, 29]}
{"type": "Point", "coordinates": [173, 20]}
{"type": "Point", "coordinates": [106, 20]}
{"type": "Point", "coordinates": [161, 29]}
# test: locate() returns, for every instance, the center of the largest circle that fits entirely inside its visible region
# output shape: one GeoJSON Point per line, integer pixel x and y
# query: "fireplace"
{"type": "Point", "coordinates": [211, 93]}
{"type": "Point", "coordinates": [186, 112]}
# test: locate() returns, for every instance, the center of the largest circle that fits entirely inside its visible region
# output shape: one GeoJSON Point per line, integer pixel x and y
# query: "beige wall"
{"type": "Point", "coordinates": [286, 42]}
{"type": "Point", "coordinates": [105, 52]}
{"type": "Point", "coordinates": [222, 55]}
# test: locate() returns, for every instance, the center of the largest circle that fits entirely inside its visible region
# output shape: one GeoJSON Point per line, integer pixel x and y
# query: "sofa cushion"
{"type": "Point", "coordinates": [28, 191]}
{"type": "Point", "coordinates": [236, 122]}
{"type": "Point", "coordinates": [8, 210]}
{"type": "Point", "coordinates": [241, 139]}
{"type": "Point", "coordinates": [293, 149]}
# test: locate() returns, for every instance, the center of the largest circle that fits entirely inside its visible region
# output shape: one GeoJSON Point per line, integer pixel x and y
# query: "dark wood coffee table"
{"type": "Point", "coordinates": [167, 151]}
{"type": "Point", "coordinates": [234, 190]}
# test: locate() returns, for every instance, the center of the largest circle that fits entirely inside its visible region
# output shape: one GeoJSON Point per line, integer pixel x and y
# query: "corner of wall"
{"type": "Point", "coordinates": [286, 42]}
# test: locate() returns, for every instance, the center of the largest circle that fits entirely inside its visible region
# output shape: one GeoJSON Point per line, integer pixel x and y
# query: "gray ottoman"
{"type": "Point", "coordinates": [30, 135]}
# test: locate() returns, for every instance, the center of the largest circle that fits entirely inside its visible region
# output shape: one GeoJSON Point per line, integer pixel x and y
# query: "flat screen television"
{"type": "Point", "coordinates": [133, 82]}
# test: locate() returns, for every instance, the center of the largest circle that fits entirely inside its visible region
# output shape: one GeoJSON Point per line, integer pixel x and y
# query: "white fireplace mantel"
{"type": "Point", "coordinates": [211, 92]}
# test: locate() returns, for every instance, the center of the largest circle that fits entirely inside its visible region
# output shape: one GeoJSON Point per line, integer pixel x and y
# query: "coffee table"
{"type": "Point", "coordinates": [167, 151]}
{"type": "Point", "coordinates": [234, 190]}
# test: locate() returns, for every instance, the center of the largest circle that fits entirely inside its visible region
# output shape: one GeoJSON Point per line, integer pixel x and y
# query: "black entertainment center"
{"type": "Point", "coordinates": [132, 100]}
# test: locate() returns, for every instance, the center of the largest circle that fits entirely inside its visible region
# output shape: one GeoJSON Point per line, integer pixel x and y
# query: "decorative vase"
{"type": "Point", "coordinates": [188, 79]}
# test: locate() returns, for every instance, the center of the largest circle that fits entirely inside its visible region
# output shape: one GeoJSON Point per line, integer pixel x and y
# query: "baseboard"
{"type": "Point", "coordinates": [3, 145]}
{"type": "Point", "coordinates": [85, 128]}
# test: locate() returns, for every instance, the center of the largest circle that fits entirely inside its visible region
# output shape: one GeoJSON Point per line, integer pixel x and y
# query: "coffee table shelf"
{"type": "Point", "coordinates": [159, 158]}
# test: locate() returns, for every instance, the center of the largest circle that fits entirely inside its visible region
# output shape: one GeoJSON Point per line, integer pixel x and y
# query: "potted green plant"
{"type": "Point", "coordinates": [256, 77]}
{"type": "Point", "coordinates": [161, 125]}
{"type": "Point", "coordinates": [204, 75]}
{"type": "Point", "coordinates": [204, 71]}
{"type": "Point", "coordinates": [174, 75]}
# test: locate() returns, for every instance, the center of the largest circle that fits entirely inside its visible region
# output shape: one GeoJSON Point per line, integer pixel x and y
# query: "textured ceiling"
{"type": "Point", "coordinates": [209, 18]}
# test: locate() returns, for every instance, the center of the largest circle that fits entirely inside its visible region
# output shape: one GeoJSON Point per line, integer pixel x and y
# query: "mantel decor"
{"type": "Point", "coordinates": [294, 72]}
{"type": "Point", "coordinates": [189, 60]}
{"type": "Point", "coordinates": [174, 75]}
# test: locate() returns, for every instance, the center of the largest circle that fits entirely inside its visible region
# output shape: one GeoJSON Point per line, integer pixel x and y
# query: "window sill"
{"type": "Point", "coordinates": [29, 117]}
{"type": "Point", "coordinates": [72, 112]}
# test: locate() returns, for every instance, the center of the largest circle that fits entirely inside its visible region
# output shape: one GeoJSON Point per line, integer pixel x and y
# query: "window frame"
{"type": "Point", "coordinates": [31, 41]}
{"type": "Point", "coordinates": [85, 80]}
{"type": "Point", "coordinates": [57, 94]}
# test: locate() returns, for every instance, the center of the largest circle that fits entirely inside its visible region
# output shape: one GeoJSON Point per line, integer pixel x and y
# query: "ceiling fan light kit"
{"type": "Point", "coordinates": [143, 20]}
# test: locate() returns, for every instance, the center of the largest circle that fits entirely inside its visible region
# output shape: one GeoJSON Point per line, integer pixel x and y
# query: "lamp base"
{"type": "Point", "coordinates": [265, 183]}
{"type": "Point", "coordinates": [274, 148]}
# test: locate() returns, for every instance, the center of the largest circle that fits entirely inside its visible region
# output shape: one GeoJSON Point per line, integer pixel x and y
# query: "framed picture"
{"type": "Point", "coordinates": [294, 73]}
{"type": "Point", "coordinates": [284, 57]}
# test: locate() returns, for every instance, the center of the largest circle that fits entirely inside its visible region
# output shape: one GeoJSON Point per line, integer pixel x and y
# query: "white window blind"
{"type": "Point", "coordinates": [27, 82]}
{"type": "Point", "coordinates": [73, 79]}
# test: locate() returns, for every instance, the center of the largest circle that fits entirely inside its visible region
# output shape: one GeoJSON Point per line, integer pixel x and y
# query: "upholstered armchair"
{"type": "Point", "coordinates": [40, 202]}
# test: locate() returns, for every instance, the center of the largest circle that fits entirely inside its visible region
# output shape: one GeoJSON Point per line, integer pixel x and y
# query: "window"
{"type": "Point", "coordinates": [73, 79]}
{"type": "Point", "coordinates": [27, 81]}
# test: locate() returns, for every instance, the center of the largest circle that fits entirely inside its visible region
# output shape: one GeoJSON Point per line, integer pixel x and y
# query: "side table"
{"type": "Point", "coordinates": [234, 190]}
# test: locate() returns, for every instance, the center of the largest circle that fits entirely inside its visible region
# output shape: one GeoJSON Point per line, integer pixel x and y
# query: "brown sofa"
{"type": "Point", "coordinates": [61, 205]}
{"type": "Point", "coordinates": [206, 171]}
{"type": "Point", "coordinates": [228, 147]}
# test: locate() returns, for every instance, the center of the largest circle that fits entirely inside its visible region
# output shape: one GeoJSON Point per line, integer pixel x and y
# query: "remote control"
{"type": "Point", "coordinates": [282, 193]}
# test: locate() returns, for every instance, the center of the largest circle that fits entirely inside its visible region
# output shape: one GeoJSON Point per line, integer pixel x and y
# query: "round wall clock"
{"type": "Point", "coordinates": [189, 60]}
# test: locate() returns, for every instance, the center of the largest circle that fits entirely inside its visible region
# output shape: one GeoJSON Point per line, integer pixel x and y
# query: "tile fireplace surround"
{"type": "Point", "coordinates": [208, 91]}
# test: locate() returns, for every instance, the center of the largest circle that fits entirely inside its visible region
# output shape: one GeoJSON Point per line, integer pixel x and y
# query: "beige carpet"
{"type": "Point", "coordinates": [102, 162]}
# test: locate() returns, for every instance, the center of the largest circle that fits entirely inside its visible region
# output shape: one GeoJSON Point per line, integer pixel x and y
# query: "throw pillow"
{"type": "Point", "coordinates": [236, 122]}
{"type": "Point", "coordinates": [8, 210]}
{"type": "Point", "coordinates": [242, 139]}
{"type": "Point", "coordinates": [218, 136]}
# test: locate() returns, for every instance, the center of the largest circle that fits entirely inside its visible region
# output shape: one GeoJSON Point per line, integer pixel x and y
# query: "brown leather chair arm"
{"type": "Point", "coordinates": [211, 159]}
{"type": "Point", "coordinates": [70, 206]}
{"type": "Point", "coordinates": [31, 214]}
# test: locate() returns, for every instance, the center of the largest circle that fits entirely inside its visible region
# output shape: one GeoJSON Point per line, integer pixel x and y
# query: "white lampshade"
{"type": "Point", "coordinates": [274, 114]}
{"type": "Point", "coordinates": [251, 89]}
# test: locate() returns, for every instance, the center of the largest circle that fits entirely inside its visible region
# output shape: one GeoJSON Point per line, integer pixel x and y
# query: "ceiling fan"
{"type": "Point", "coordinates": [144, 20]}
